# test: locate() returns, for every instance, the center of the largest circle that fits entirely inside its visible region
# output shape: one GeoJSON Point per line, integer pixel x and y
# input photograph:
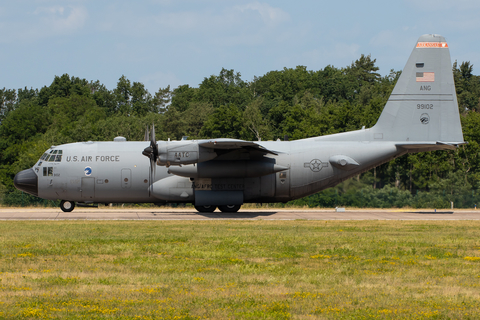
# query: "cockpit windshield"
{"type": "Point", "coordinates": [52, 156]}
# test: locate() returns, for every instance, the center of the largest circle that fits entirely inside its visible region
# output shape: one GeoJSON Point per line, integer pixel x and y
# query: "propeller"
{"type": "Point", "coordinates": [147, 134]}
{"type": "Point", "coordinates": [152, 153]}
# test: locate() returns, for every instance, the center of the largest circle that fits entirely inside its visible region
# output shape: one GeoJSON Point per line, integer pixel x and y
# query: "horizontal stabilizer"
{"type": "Point", "coordinates": [438, 145]}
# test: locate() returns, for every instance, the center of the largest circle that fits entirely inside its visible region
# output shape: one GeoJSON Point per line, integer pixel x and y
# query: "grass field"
{"type": "Point", "coordinates": [239, 269]}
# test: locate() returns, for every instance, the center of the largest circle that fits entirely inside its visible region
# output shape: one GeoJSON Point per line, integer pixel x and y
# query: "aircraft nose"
{"type": "Point", "coordinates": [27, 181]}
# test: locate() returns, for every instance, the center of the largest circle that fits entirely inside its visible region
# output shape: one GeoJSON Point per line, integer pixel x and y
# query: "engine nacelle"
{"type": "Point", "coordinates": [228, 169]}
{"type": "Point", "coordinates": [176, 153]}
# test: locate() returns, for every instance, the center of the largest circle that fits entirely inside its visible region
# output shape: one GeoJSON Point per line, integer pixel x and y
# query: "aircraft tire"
{"type": "Point", "coordinates": [229, 208]}
{"type": "Point", "coordinates": [205, 208]}
{"type": "Point", "coordinates": [67, 206]}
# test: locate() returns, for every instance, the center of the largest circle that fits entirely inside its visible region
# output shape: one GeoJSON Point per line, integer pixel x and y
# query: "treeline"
{"type": "Point", "coordinates": [297, 103]}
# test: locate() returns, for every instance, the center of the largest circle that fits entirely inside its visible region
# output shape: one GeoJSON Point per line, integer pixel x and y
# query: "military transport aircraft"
{"type": "Point", "coordinates": [420, 115]}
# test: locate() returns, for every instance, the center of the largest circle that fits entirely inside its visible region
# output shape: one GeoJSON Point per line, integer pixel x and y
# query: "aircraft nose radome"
{"type": "Point", "coordinates": [27, 181]}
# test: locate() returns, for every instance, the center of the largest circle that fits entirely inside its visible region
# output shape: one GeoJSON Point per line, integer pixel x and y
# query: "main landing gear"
{"type": "Point", "coordinates": [67, 206]}
{"type": "Point", "coordinates": [227, 209]}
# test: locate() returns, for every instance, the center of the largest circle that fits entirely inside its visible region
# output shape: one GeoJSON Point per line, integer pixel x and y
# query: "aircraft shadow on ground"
{"type": "Point", "coordinates": [235, 215]}
{"type": "Point", "coordinates": [218, 215]}
{"type": "Point", "coordinates": [431, 212]}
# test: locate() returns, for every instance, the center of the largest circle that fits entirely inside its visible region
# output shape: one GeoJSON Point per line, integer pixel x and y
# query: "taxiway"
{"type": "Point", "coordinates": [107, 213]}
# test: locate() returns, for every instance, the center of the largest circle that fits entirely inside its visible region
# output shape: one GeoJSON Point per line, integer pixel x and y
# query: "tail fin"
{"type": "Point", "coordinates": [422, 109]}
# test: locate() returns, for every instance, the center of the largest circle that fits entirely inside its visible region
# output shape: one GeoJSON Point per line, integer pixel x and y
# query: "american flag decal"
{"type": "Point", "coordinates": [425, 76]}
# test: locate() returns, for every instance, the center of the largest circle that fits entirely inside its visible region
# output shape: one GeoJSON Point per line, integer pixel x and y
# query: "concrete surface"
{"type": "Point", "coordinates": [107, 213]}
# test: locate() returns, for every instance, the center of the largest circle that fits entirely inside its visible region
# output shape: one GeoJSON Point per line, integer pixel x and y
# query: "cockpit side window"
{"type": "Point", "coordinates": [47, 171]}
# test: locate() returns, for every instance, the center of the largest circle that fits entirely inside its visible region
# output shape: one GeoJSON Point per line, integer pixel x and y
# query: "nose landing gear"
{"type": "Point", "coordinates": [67, 206]}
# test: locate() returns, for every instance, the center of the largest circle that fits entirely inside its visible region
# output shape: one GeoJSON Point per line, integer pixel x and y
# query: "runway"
{"type": "Point", "coordinates": [106, 213]}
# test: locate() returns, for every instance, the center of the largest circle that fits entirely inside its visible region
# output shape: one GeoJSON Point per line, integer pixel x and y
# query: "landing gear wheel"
{"type": "Point", "coordinates": [231, 208]}
{"type": "Point", "coordinates": [67, 206]}
{"type": "Point", "coordinates": [205, 208]}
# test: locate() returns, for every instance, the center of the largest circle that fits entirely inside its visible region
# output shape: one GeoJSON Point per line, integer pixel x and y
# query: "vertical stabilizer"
{"type": "Point", "coordinates": [423, 105]}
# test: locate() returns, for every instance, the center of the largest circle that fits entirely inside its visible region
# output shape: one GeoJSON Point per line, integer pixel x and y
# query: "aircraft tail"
{"type": "Point", "coordinates": [422, 109]}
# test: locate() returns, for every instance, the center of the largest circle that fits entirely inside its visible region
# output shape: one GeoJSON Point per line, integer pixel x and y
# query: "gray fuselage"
{"type": "Point", "coordinates": [113, 172]}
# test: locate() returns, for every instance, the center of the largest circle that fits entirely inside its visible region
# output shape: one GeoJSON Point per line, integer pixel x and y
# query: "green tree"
{"type": "Point", "coordinates": [123, 95]}
{"type": "Point", "coordinates": [8, 100]}
{"type": "Point", "coordinates": [73, 118]}
{"type": "Point", "coordinates": [225, 122]}
{"type": "Point", "coordinates": [183, 96]}
{"type": "Point", "coordinates": [62, 87]}
{"type": "Point", "coordinates": [161, 100]}
{"type": "Point", "coordinates": [195, 117]}
{"type": "Point", "coordinates": [364, 70]}
{"type": "Point", "coordinates": [226, 88]}
{"type": "Point", "coordinates": [257, 125]}
{"type": "Point", "coordinates": [467, 86]}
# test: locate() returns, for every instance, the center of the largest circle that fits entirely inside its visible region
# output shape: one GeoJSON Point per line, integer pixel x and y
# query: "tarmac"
{"type": "Point", "coordinates": [132, 213]}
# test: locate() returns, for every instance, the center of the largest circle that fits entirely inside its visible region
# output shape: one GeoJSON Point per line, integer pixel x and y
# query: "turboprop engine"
{"type": "Point", "coordinates": [227, 169]}
{"type": "Point", "coordinates": [178, 153]}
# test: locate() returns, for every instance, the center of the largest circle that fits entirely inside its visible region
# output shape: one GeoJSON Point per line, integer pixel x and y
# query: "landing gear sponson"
{"type": "Point", "coordinates": [68, 206]}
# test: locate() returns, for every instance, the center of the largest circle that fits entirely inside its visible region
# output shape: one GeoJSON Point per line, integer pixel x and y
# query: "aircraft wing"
{"type": "Point", "coordinates": [232, 144]}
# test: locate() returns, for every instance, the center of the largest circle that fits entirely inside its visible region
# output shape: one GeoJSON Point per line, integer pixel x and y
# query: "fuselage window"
{"type": "Point", "coordinates": [47, 171]}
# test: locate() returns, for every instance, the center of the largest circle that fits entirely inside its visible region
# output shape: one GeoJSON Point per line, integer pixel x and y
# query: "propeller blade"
{"type": "Point", "coordinates": [147, 134]}
{"type": "Point", "coordinates": [153, 141]}
{"type": "Point", "coordinates": [152, 153]}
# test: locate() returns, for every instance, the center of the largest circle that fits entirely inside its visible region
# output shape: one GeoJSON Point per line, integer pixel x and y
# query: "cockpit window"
{"type": "Point", "coordinates": [52, 156]}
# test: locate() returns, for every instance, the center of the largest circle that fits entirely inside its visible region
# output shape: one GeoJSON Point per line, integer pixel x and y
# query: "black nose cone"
{"type": "Point", "coordinates": [26, 180]}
